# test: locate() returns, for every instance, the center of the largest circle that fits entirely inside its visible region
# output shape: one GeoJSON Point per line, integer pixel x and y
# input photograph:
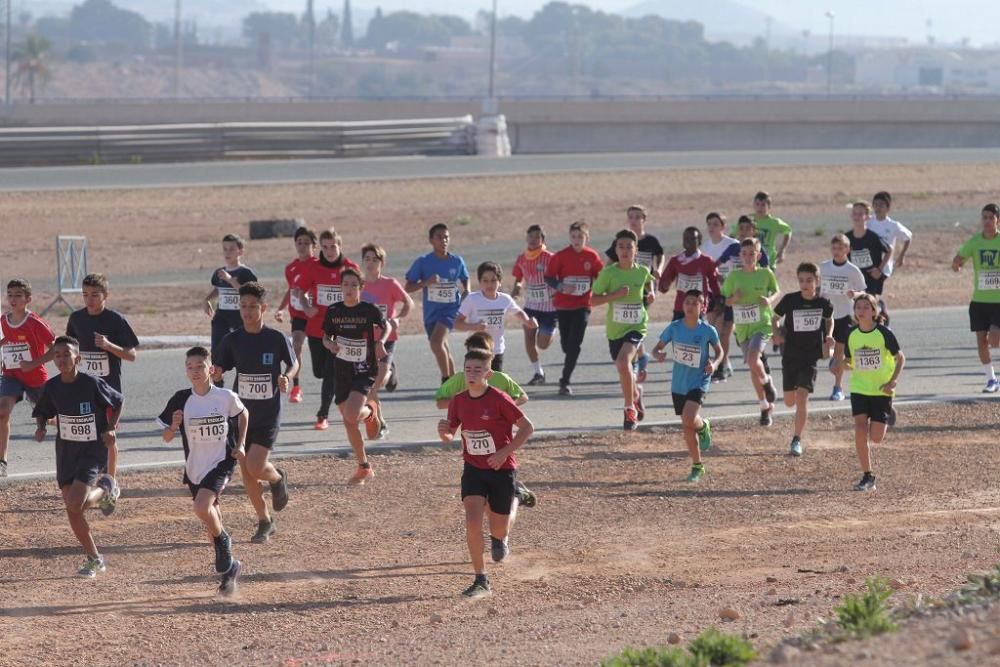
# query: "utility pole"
{"type": "Point", "coordinates": [178, 49]}
{"type": "Point", "coordinates": [6, 54]}
{"type": "Point", "coordinates": [829, 56]}
{"type": "Point", "coordinates": [493, 51]}
{"type": "Point", "coordinates": [311, 27]}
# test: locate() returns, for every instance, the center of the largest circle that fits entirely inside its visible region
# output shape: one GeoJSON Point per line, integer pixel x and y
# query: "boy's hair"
{"type": "Point", "coordinates": [716, 216]}
{"type": "Point", "coordinates": [305, 231]}
{"type": "Point", "coordinates": [253, 288]}
{"type": "Point", "coordinates": [696, 293]}
{"type": "Point", "coordinates": [882, 196]}
{"type": "Point", "coordinates": [626, 234]}
{"type": "Point", "coordinates": [21, 284]}
{"type": "Point", "coordinates": [98, 280]}
{"type": "Point", "coordinates": [352, 272]}
{"type": "Point", "coordinates": [436, 228]}
{"type": "Point", "coordinates": [840, 238]}
{"type": "Point", "coordinates": [481, 340]}
{"type": "Point", "coordinates": [536, 228]}
{"type": "Point", "coordinates": [641, 210]}
{"type": "Point", "coordinates": [695, 231]}
{"type": "Point", "coordinates": [863, 204]}
{"type": "Point", "coordinates": [329, 234]}
{"type": "Point", "coordinates": [754, 241]}
{"type": "Point", "coordinates": [807, 267]}
{"type": "Point", "coordinates": [579, 226]}
{"type": "Point", "coordinates": [486, 267]}
{"type": "Point", "coordinates": [762, 196]}
{"type": "Point", "coordinates": [233, 238]}
{"type": "Point", "coordinates": [747, 220]}
{"type": "Point", "coordinates": [879, 318]}
{"type": "Point", "coordinates": [375, 248]}
{"type": "Point", "coordinates": [198, 351]}
{"type": "Point", "coordinates": [478, 354]}
{"type": "Point", "coordinates": [989, 208]}
{"type": "Point", "coordinates": [66, 340]}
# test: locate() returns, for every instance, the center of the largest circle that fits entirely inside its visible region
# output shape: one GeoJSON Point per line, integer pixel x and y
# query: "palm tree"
{"type": "Point", "coordinates": [31, 63]}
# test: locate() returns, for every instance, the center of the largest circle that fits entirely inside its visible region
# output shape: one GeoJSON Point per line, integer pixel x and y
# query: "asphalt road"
{"type": "Point", "coordinates": [361, 169]}
{"type": "Point", "coordinates": [941, 364]}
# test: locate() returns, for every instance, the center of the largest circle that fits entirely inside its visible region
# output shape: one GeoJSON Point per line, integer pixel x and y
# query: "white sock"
{"type": "Point", "coordinates": [537, 367]}
{"type": "Point", "coordinates": [764, 405]}
{"type": "Point", "coordinates": [990, 374]}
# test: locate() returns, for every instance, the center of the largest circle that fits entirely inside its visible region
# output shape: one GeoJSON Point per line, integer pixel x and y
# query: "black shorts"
{"type": "Point", "coordinates": [263, 436]}
{"type": "Point", "coordinates": [876, 407]}
{"type": "Point", "coordinates": [615, 346]}
{"type": "Point", "coordinates": [216, 479]}
{"type": "Point", "coordinates": [497, 363]}
{"type": "Point", "coordinates": [298, 324]}
{"type": "Point", "coordinates": [841, 328]}
{"type": "Point", "coordinates": [80, 461]}
{"type": "Point", "coordinates": [727, 314]}
{"type": "Point", "coordinates": [798, 374]}
{"type": "Point", "coordinates": [497, 486]}
{"type": "Point", "coordinates": [696, 395]}
{"type": "Point", "coordinates": [982, 316]}
{"type": "Point", "coordinates": [352, 377]}
{"type": "Point", "coordinates": [319, 356]}
{"type": "Point", "coordinates": [874, 285]}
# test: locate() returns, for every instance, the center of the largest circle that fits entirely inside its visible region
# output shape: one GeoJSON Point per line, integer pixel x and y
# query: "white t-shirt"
{"type": "Point", "coordinates": [891, 232]}
{"type": "Point", "coordinates": [477, 308]}
{"type": "Point", "coordinates": [206, 429]}
{"type": "Point", "coordinates": [715, 250]}
{"type": "Point", "coordinates": [836, 281]}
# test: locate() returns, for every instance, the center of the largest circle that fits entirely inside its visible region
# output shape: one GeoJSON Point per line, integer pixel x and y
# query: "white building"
{"type": "Point", "coordinates": [938, 69]}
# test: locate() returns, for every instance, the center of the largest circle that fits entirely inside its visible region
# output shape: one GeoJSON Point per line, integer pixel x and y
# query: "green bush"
{"type": "Point", "coordinates": [866, 615]}
{"type": "Point", "coordinates": [652, 657]}
{"type": "Point", "coordinates": [722, 650]}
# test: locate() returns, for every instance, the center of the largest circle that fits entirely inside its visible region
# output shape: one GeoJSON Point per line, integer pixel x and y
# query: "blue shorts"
{"type": "Point", "coordinates": [447, 320]}
{"type": "Point", "coordinates": [546, 321]}
{"type": "Point", "coordinates": [11, 386]}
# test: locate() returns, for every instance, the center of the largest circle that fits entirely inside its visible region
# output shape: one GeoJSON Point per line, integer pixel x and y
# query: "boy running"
{"type": "Point", "coordinates": [257, 351]}
{"type": "Point", "coordinates": [715, 246]}
{"type": "Point", "coordinates": [26, 337]}
{"type": "Point", "coordinates": [356, 332]}
{"type": "Point", "coordinates": [770, 229]}
{"type": "Point", "coordinates": [226, 283]}
{"type": "Point", "coordinates": [692, 270]}
{"type": "Point", "coordinates": [444, 280]}
{"type": "Point", "coordinates": [529, 275]}
{"type": "Point", "coordinates": [305, 248]}
{"type": "Point", "coordinates": [487, 418]}
{"type": "Point", "coordinates": [984, 310]}
{"type": "Point", "coordinates": [213, 426]}
{"type": "Point", "coordinates": [868, 252]}
{"type": "Point", "coordinates": [691, 339]}
{"type": "Point", "coordinates": [842, 281]}
{"type": "Point", "coordinates": [894, 235]}
{"type": "Point", "coordinates": [570, 272]}
{"type": "Point", "coordinates": [803, 325]}
{"type": "Point", "coordinates": [626, 287]}
{"type": "Point", "coordinates": [486, 310]}
{"type": "Point", "coordinates": [86, 410]}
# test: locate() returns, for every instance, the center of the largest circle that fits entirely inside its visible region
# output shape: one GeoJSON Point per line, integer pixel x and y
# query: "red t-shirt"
{"type": "Point", "coordinates": [322, 283]}
{"type": "Point", "coordinates": [27, 341]}
{"type": "Point", "coordinates": [578, 269]}
{"type": "Point", "coordinates": [386, 293]}
{"type": "Point", "coordinates": [698, 272]}
{"type": "Point", "coordinates": [537, 295]}
{"type": "Point", "coordinates": [487, 426]}
{"type": "Point", "coordinates": [292, 273]}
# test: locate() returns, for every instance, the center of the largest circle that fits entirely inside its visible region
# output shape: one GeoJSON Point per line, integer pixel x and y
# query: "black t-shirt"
{"type": "Point", "coordinates": [648, 248]}
{"type": "Point", "coordinates": [227, 309]}
{"type": "Point", "coordinates": [80, 408]}
{"type": "Point", "coordinates": [805, 325]}
{"type": "Point", "coordinates": [353, 327]}
{"type": "Point", "coordinates": [115, 328]}
{"type": "Point", "coordinates": [257, 359]}
{"type": "Point", "coordinates": [867, 252]}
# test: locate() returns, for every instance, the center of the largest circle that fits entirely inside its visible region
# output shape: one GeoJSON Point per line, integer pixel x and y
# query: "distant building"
{"type": "Point", "coordinates": [951, 70]}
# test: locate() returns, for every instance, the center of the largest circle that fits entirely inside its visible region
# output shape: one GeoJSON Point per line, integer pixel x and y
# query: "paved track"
{"type": "Point", "coordinates": [941, 363]}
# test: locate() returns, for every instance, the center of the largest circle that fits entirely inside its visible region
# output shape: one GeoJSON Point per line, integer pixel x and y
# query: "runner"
{"type": "Point", "coordinates": [626, 287]}
{"type": "Point", "coordinates": [257, 351]}
{"type": "Point", "coordinates": [213, 425]}
{"type": "Point", "coordinates": [875, 360]}
{"type": "Point", "coordinates": [487, 418]}
{"type": "Point", "coordinates": [803, 325]}
{"type": "Point", "coordinates": [751, 290]}
{"type": "Point", "coordinates": [305, 248]}
{"type": "Point", "coordinates": [691, 339]}
{"type": "Point", "coordinates": [444, 279]}
{"type": "Point", "coordinates": [984, 310]}
{"type": "Point", "coordinates": [692, 270]}
{"type": "Point", "coordinates": [226, 283]}
{"type": "Point", "coordinates": [570, 272]}
{"type": "Point", "coordinates": [319, 288]}
{"type": "Point", "coordinates": [455, 385]}
{"type": "Point", "coordinates": [350, 329]}
{"type": "Point", "coordinates": [395, 304]}
{"type": "Point", "coordinates": [26, 336]}
{"type": "Point", "coordinates": [842, 281]}
{"type": "Point", "coordinates": [85, 433]}
{"type": "Point", "coordinates": [868, 252]}
{"type": "Point", "coordinates": [486, 310]}
{"type": "Point", "coordinates": [770, 229]}
{"type": "Point", "coordinates": [715, 246]}
{"type": "Point", "coordinates": [529, 274]}
{"type": "Point", "coordinates": [894, 235]}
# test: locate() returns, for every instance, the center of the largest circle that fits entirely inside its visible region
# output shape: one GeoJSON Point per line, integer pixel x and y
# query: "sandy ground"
{"type": "Point", "coordinates": [619, 551]}
{"type": "Point", "coordinates": [171, 236]}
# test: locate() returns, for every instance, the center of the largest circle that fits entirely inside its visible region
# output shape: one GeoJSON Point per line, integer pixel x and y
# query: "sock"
{"type": "Point", "coordinates": [764, 405]}
{"type": "Point", "coordinates": [537, 367]}
{"type": "Point", "coordinates": [990, 374]}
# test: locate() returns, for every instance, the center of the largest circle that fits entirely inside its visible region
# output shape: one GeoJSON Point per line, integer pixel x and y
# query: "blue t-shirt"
{"type": "Point", "coordinates": [690, 356]}
{"type": "Point", "coordinates": [732, 253]}
{"type": "Point", "coordinates": [442, 299]}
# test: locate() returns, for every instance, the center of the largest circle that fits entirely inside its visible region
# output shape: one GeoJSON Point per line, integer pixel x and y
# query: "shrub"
{"type": "Point", "coordinates": [722, 650]}
{"type": "Point", "coordinates": [866, 614]}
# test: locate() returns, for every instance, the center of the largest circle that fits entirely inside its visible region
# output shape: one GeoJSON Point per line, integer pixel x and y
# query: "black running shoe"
{"type": "Point", "coordinates": [536, 380]}
{"type": "Point", "coordinates": [525, 496]}
{"type": "Point", "coordinates": [228, 584]}
{"type": "Point", "coordinates": [265, 529]}
{"type": "Point", "coordinates": [719, 375]}
{"type": "Point", "coordinates": [631, 419]}
{"type": "Point", "coordinates": [279, 491]}
{"type": "Point", "coordinates": [498, 549]}
{"type": "Point", "coordinates": [393, 381]}
{"type": "Point", "coordinates": [769, 391]}
{"type": "Point", "coordinates": [867, 483]}
{"type": "Point", "coordinates": [223, 552]}
{"type": "Point", "coordinates": [565, 390]}
{"type": "Point", "coordinates": [765, 417]}
{"type": "Point", "coordinates": [480, 588]}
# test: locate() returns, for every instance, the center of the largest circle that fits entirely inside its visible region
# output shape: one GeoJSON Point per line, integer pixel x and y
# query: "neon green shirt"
{"type": "Point", "coordinates": [749, 315]}
{"type": "Point", "coordinates": [985, 254]}
{"type": "Point", "coordinates": [871, 357]}
{"type": "Point", "coordinates": [769, 228]}
{"type": "Point", "coordinates": [455, 385]}
{"type": "Point", "coordinates": [629, 312]}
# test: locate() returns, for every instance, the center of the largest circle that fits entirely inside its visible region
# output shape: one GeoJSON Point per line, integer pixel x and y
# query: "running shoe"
{"type": "Point", "coordinates": [111, 493]}
{"type": "Point", "coordinates": [837, 395]}
{"type": "Point", "coordinates": [480, 588]}
{"type": "Point", "coordinates": [719, 375]}
{"type": "Point", "coordinates": [265, 529]}
{"type": "Point", "coordinates": [729, 371]}
{"type": "Point", "coordinates": [92, 566]}
{"type": "Point", "coordinates": [705, 436]}
{"type": "Point", "coordinates": [525, 496]}
{"type": "Point", "coordinates": [373, 422]}
{"type": "Point", "coordinates": [296, 395]}
{"type": "Point", "coordinates": [228, 584]}
{"type": "Point", "coordinates": [867, 483]}
{"type": "Point", "coordinates": [498, 549]}
{"type": "Point", "coordinates": [321, 424]}
{"type": "Point", "coordinates": [536, 380]}
{"type": "Point", "coordinates": [223, 552]}
{"type": "Point", "coordinates": [565, 390]}
{"type": "Point", "coordinates": [769, 391]}
{"type": "Point", "coordinates": [697, 472]}
{"type": "Point", "coordinates": [279, 491]}
{"type": "Point", "coordinates": [640, 409]}
{"type": "Point", "coordinates": [795, 449]}
{"type": "Point", "coordinates": [891, 421]}
{"type": "Point", "coordinates": [383, 430]}
{"type": "Point", "coordinates": [3, 468]}
{"type": "Point", "coordinates": [991, 387]}
{"type": "Point", "coordinates": [631, 419]}
{"type": "Point", "coordinates": [393, 381]}
{"type": "Point", "coordinates": [765, 416]}
{"type": "Point", "coordinates": [361, 475]}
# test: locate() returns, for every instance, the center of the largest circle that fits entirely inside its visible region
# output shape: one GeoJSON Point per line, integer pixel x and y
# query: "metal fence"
{"type": "Point", "coordinates": [220, 141]}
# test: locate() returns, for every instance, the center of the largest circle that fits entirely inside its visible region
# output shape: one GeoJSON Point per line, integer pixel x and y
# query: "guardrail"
{"type": "Point", "coordinates": [220, 141]}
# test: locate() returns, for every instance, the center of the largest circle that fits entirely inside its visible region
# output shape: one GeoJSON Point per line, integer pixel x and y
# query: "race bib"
{"type": "Point", "coordinates": [479, 443]}
{"type": "Point", "coordinates": [492, 318]}
{"type": "Point", "coordinates": [862, 258]}
{"type": "Point", "coordinates": [14, 354]}
{"type": "Point", "coordinates": [835, 285]}
{"type": "Point", "coordinates": [988, 280]}
{"type": "Point", "coordinates": [643, 258]}
{"type": "Point", "coordinates": [580, 284]}
{"type": "Point", "coordinates": [327, 295]}
{"type": "Point", "coordinates": [295, 302]}
{"type": "Point", "coordinates": [807, 320]}
{"type": "Point", "coordinates": [229, 298]}
{"type": "Point", "coordinates": [536, 296]}
{"type": "Point", "coordinates": [867, 359]}
{"type": "Point", "coordinates": [352, 350]}
{"type": "Point", "coordinates": [255, 386]}
{"type": "Point", "coordinates": [686, 283]}
{"type": "Point", "coordinates": [78, 429]}
{"type": "Point", "coordinates": [441, 292]}
{"type": "Point", "coordinates": [746, 314]}
{"type": "Point", "coordinates": [207, 431]}
{"type": "Point", "coordinates": [95, 363]}
{"type": "Point", "coordinates": [687, 355]}
{"type": "Point", "coordinates": [724, 271]}
{"type": "Point", "coordinates": [627, 313]}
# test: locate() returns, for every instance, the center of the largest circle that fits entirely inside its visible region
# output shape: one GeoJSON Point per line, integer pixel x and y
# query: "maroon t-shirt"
{"type": "Point", "coordinates": [487, 426]}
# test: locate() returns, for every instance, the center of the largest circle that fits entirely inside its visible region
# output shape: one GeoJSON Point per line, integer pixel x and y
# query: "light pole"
{"type": "Point", "coordinates": [6, 54]}
{"type": "Point", "coordinates": [178, 49]}
{"type": "Point", "coordinates": [493, 52]}
{"type": "Point", "coordinates": [829, 56]}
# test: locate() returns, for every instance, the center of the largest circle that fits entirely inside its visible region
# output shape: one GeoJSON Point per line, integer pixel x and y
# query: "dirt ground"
{"type": "Point", "coordinates": [152, 242]}
{"type": "Point", "coordinates": [619, 551]}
